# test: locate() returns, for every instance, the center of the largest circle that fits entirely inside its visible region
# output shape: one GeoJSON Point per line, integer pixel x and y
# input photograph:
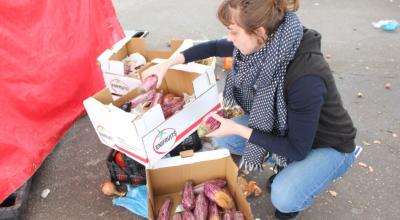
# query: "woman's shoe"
{"type": "Point", "coordinates": [269, 182]}
{"type": "Point", "coordinates": [277, 169]}
{"type": "Point", "coordinates": [285, 216]}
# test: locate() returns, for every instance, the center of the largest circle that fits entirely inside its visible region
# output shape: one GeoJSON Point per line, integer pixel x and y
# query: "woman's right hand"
{"type": "Point", "coordinates": [159, 70]}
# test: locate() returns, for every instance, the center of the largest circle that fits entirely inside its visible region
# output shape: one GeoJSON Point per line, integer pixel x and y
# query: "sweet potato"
{"type": "Point", "coordinates": [201, 207]}
{"type": "Point", "coordinates": [213, 211]}
{"type": "Point", "coordinates": [238, 216]}
{"type": "Point", "coordinates": [143, 98]}
{"type": "Point", "coordinates": [228, 215]}
{"type": "Point", "coordinates": [150, 82]}
{"type": "Point", "coordinates": [176, 104]}
{"type": "Point", "coordinates": [188, 199]}
{"type": "Point", "coordinates": [210, 124]}
{"type": "Point", "coordinates": [177, 216]}
{"type": "Point", "coordinates": [157, 99]}
{"type": "Point", "coordinates": [216, 194]}
{"type": "Point", "coordinates": [187, 215]}
{"type": "Point", "coordinates": [163, 212]}
{"type": "Point", "coordinates": [200, 187]}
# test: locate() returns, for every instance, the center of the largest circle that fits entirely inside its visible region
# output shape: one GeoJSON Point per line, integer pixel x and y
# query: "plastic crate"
{"type": "Point", "coordinates": [134, 173]}
{"type": "Point", "coordinates": [12, 207]}
{"type": "Point", "coordinates": [192, 142]}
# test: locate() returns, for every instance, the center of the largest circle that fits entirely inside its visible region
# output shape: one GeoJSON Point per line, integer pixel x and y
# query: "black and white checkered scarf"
{"type": "Point", "coordinates": [256, 83]}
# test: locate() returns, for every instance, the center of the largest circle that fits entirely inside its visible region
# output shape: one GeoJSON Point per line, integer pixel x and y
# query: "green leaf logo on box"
{"type": "Point", "coordinates": [164, 140]}
{"type": "Point", "coordinates": [104, 134]}
{"type": "Point", "coordinates": [118, 86]}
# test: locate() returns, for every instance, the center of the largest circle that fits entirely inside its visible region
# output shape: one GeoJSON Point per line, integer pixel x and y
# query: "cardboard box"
{"type": "Point", "coordinates": [150, 137]}
{"type": "Point", "coordinates": [113, 67]}
{"type": "Point", "coordinates": [167, 178]}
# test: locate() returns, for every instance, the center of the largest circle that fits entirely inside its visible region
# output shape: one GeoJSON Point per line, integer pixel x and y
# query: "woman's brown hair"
{"type": "Point", "coordinates": [252, 14]}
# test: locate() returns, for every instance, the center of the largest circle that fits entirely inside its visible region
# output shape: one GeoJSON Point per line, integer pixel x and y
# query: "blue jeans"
{"type": "Point", "coordinates": [295, 187]}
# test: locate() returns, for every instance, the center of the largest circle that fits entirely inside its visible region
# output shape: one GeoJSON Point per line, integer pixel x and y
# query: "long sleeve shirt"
{"type": "Point", "coordinates": [304, 101]}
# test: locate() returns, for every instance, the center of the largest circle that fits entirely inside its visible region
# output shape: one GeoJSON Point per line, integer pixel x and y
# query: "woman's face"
{"type": "Point", "coordinates": [246, 43]}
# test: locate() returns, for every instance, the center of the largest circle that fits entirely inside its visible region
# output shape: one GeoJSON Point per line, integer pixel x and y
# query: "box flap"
{"type": "Point", "coordinates": [151, 119]}
{"type": "Point", "coordinates": [117, 46]}
{"type": "Point", "coordinates": [197, 157]}
{"type": "Point", "coordinates": [103, 60]}
{"type": "Point", "coordinates": [116, 67]}
{"type": "Point", "coordinates": [200, 85]}
{"type": "Point", "coordinates": [189, 67]}
{"type": "Point", "coordinates": [98, 113]}
{"type": "Point", "coordinates": [185, 45]}
{"type": "Point", "coordinates": [234, 188]}
{"type": "Point", "coordinates": [119, 84]}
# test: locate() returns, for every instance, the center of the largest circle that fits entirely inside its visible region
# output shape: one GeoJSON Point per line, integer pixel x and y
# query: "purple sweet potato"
{"type": "Point", "coordinates": [200, 187]}
{"type": "Point", "coordinates": [173, 106]}
{"type": "Point", "coordinates": [188, 200]}
{"type": "Point", "coordinates": [187, 215]}
{"type": "Point", "coordinates": [201, 207]}
{"type": "Point", "coordinates": [238, 216]}
{"type": "Point", "coordinates": [216, 194]}
{"type": "Point", "coordinates": [150, 82]}
{"type": "Point", "coordinates": [143, 98]}
{"type": "Point", "coordinates": [210, 125]}
{"type": "Point", "coordinates": [157, 99]}
{"type": "Point", "coordinates": [213, 211]}
{"type": "Point", "coordinates": [228, 215]}
{"type": "Point", "coordinates": [163, 212]}
{"type": "Point", "coordinates": [177, 216]}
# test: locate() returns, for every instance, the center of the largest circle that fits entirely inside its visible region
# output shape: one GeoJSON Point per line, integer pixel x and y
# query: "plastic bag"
{"type": "Point", "coordinates": [135, 200]}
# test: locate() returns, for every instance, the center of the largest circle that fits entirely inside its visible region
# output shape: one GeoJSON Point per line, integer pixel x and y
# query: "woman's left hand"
{"type": "Point", "coordinates": [227, 126]}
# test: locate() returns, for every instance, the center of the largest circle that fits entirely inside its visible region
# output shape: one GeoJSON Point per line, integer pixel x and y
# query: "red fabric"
{"type": "Point", "coordinates": [47, 68]}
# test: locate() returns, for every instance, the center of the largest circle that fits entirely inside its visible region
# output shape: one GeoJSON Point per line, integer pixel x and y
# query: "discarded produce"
{"type": "Point", "coordinates": [45, 193]}
{"type": "Point", "coordinates": [249, 188]}
{"type": "Point", "coordinates": [370, 169]}
{"type": "Point", "coordinates": [363, 164]}
{"type": "Point", "coordinates": [366, 143]}
{"type": "Point", "coordinates": [377, 142]}
{"type": "Point", "coordinates": [108, 188]}
{"type": "Point", "coordinates": [333, 193]}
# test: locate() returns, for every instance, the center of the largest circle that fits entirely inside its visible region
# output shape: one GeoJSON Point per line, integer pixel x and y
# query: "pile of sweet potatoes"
{"type": "Point", "coordinates": [208, 200]}
{"type": "Point", "coordinates": [170, 103]}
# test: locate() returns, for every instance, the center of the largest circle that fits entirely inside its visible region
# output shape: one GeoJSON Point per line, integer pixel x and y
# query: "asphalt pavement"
{"type": "Point", "coordinates": [364, 60]}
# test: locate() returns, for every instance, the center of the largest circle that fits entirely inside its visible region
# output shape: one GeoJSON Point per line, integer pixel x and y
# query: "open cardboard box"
{"type": "Point", "coordinates": [113, 67]}
{"type": "Point", "coordinates": [148, 138]}
{"type": "Point", "coordinates": [168, 176]}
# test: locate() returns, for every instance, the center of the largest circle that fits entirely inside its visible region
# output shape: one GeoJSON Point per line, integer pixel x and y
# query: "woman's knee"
{"type": "Point", "coordinates": [286, 197]}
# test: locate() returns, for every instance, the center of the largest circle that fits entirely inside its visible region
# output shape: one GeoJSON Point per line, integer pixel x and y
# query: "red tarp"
{"type": "Point", "coordinates": [47, 68]}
